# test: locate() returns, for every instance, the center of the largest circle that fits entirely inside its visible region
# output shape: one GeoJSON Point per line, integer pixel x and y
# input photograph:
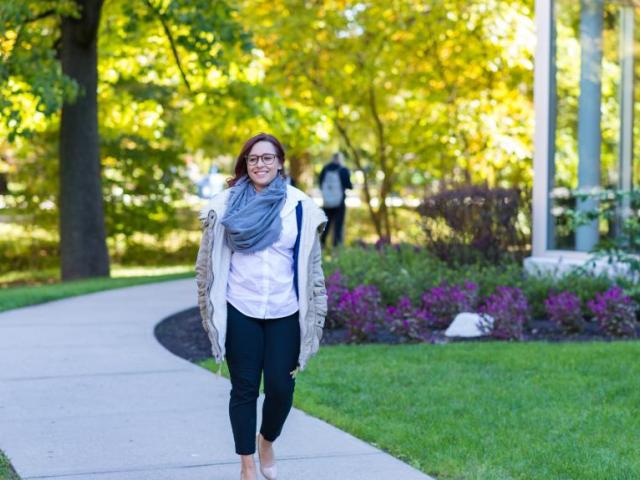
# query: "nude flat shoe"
{"type": "Point", "coordinates": [269, 472]}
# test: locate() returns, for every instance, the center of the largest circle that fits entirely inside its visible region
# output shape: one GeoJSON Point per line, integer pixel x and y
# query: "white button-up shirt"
{"type": "Point", "coordinates": [261, 284]}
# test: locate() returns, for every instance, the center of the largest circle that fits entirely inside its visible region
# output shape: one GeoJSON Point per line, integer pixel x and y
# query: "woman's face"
{"type": "Point", "coordinates": [260, 173]}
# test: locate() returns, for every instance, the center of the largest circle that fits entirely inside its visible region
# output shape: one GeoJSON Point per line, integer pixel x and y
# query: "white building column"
{"type": "Point", "coordinates": [625, 160]}
{"type": "Point", "coordinates": [589, 115]}
{"type": "Point", "coordinates": [544, 140]}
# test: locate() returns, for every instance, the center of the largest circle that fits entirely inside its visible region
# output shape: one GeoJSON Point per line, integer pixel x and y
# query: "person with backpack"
{"type": "Point", "coordinates": [335, 178]}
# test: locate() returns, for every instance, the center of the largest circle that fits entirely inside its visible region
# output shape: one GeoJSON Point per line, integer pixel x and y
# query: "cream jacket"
{"type": "Point", "coordinates": [212, 271]}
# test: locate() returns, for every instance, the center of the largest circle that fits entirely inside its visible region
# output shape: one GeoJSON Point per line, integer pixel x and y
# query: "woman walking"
{"type": "Point", "coordinates": [261, 293]}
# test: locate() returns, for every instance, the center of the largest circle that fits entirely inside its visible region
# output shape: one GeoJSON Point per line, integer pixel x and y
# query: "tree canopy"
{"type": "Point", "coordinates": [413, 92]}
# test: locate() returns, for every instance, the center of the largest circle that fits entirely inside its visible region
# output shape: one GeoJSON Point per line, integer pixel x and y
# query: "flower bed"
{"type": "Point", "coordinates": [399, 293]}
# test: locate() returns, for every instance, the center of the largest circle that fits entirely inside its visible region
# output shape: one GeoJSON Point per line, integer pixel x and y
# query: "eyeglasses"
{"type": "Point", "coordinates": [267, 159]}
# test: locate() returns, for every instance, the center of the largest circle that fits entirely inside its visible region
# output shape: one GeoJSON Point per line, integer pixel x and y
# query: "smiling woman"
{"type": "Point", "coordinates": [261, 292]}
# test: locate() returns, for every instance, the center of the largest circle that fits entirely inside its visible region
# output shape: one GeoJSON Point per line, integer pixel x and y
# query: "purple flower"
{"type": "Point", "coordinates": [442, 303]}
{"type": "Point", "coordinates": [565, 311]}
{"type": "Point", "coordinates": [382, 242]}
{"type": "Point", "coordinates": [615, 312]}
{"type": "Point", "coordinates": [510, 311]}
{"type": "Point", "coordinates": [362, 312]}
{"type": "Point", "coordinates": [406, 321]}
{"type": "Point", "coordinates": [336, 289]}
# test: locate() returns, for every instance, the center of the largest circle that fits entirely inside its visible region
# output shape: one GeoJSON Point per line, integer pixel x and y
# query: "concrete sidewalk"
{"type": "Point", "coordinates": [87, 393]}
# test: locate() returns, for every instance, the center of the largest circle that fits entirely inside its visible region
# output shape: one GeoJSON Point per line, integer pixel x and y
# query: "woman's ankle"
{"type": "Point", "coordinates": [264, 441]}
{"type": "Point", "coordinates": [247, 461]}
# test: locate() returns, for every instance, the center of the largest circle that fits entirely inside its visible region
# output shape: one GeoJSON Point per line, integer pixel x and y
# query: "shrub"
{"type": "Point", "coordinates": [28, 254]}
{"type": "Point", "coordinates": [442, 303]}
{"type": "Point", "coordinates": [157, 252]}
{"type": "Point", "coordinates": [565, 311]}
{"type": "Point", "coordinates": [395, 271]}
{"type": "Point", "coordinates": [362, 311]}
{"type": "Point", "coordinates": [633, 290]}
{"type": "Point", "coordinates": [465, 223]}
{"type": "Point", "coordinates": [407, 322]}
{"type": "Point", "coordinates": [336, 289]}
{"type": "Point", "coordinates": [510, 311]}
{"type": "Point", "coordinates": [615, 312]}
{"type": "Point", "coordinates": [584, 284]}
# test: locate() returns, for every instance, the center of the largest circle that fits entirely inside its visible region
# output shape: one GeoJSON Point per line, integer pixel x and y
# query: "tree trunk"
{"type": "Point", "coordinates": [375, 218]}
{"type": "Point", "coordinates": [296, 169]}
{"type": "Point", "coordinates": [83, 247]}
{"type": "Point", "coordinates": [383, 213]}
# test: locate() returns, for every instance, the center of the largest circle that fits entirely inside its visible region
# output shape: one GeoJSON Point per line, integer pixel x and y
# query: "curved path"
{"type": "Point", "coordinates": [87, 393]}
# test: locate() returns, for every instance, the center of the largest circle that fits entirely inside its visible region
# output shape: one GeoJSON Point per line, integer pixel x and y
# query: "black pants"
{"type": "Point", "coordinates": [255, 345]}
{"type": "Point", "coordinates": [335, 218]}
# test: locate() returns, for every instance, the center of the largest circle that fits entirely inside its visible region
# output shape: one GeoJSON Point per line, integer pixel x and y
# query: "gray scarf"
{"type": "Point", "coordinates": [252, 220]}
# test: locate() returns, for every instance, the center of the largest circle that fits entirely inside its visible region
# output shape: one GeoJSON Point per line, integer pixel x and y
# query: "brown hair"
{"type": "Point", "coordinates": [240, 169]}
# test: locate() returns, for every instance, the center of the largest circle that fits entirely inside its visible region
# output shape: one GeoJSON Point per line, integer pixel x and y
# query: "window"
{"type": "Point", "coordinates": [592, 106]}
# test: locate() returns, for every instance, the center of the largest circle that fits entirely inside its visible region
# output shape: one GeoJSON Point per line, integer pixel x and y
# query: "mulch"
{"type": "Point", "coordinates": [183, 335]}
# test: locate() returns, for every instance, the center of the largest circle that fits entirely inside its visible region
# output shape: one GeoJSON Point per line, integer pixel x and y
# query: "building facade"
{"type": "Point", "coordinates": [586, 108]}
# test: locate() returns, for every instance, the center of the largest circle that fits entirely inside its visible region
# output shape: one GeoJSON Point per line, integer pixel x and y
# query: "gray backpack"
{"type": "Point", "coordinates": [331, 189]}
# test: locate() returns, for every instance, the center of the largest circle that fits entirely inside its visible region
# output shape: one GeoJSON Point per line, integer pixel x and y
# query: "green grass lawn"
{"type": "Point", "coordinates": [486, 411]}
{"type": "Point", "coordinates": [21, 296]}
{"type": "Point", "coordinates": [6, 470]}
